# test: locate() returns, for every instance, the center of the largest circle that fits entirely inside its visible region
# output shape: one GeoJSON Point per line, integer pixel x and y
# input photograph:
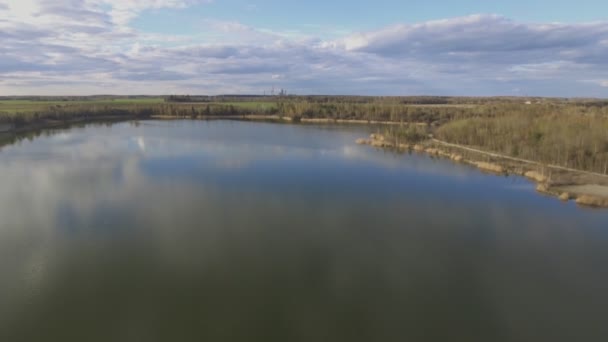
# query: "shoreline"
{"type": "Point", "coordinates": [254, 117]}
{"type": "Point", "coordinates": [49, 124]}
{"type": "Point", "coordinates": [10, 128]}
{"type": "Point", "coordinates": [585, 188]}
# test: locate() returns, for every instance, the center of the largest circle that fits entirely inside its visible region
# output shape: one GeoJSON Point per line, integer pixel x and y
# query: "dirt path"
{"type": "Point", "coordinates": [526, 161]}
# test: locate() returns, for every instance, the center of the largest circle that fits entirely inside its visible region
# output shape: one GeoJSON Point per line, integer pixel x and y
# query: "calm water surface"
{"type": "Point", "coordinates": [221, 231]}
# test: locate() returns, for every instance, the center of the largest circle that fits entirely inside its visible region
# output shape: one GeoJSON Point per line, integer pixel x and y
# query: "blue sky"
{"type": "Point", "coordinates": [359, 15]}
{"type": "Point", "coordinates": [382, 47]}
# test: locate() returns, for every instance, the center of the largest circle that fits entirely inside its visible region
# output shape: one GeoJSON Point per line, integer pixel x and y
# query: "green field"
{"type": "Point", "coordinates": [29, 106]}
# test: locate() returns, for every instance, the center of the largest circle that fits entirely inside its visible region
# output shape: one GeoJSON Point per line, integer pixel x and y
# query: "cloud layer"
{"type": "Point", "coordinates": [90, 47]}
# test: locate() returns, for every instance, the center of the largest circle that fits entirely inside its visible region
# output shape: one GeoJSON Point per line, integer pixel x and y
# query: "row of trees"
{"type": "Point", "coordinates": [134, 111]}
{"type": "Point", "coordinates": [569, 140]}
{"type": "Point", "coordinates": [378, 111]}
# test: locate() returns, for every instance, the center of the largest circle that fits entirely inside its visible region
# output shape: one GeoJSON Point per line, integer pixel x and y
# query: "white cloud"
{"type": "Point", "coordinates": [227, 26]}
{"type": "Point", "coordinates": [477, 33]}
{"type": "Point", "coordinates": [87, 46]}
{"type": "Point", "coordinates": [124, 10]}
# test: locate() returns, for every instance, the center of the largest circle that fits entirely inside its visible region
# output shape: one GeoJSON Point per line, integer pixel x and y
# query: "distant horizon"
{"type": "Point", "coordinates": [459, 48]}
{"type": "Point", "coordinates": [304, 95]}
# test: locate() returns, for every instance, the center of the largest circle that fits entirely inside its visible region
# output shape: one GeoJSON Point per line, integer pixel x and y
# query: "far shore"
{"type": "Point", "coordinates": [50, 123]}
{"type": "Point", "coordinates": [254, 117]}
{"type": "Point", "coordinates": [586, 188]}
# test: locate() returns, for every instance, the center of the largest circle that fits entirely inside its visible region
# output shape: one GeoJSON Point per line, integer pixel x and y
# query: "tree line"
{"type": "Point", "coordinates": [567, 132]}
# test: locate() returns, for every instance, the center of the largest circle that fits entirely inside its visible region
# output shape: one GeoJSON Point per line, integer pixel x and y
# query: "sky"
{"type": "Point", "coordinates": [381, 47]}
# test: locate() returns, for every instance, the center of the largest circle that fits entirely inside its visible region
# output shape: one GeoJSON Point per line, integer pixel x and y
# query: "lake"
{"type": "Point", "coordinates": [226, 230]}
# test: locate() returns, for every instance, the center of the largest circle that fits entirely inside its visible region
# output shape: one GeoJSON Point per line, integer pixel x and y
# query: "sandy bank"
{"type": "Point", "coordinates": [595, 190]}
{"type": "Point", "coordinates": [565, 184]}
{"type": "Point", "coordinates": [536, 176]}
{"type": "Point", "coordinates": [592, 201]}
{"type": "Point", "coordinates": [593, 195]}
{"type": "Point", "coordinates": [489, 167]}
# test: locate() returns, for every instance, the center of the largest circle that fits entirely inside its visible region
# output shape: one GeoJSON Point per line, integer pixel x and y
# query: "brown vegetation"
{"type": "Point", "coordinates": [592, 201]}
{"type": "Point", "coordinates": [536, 176]}
{"type": "Point", "coordinates": [490, 167]}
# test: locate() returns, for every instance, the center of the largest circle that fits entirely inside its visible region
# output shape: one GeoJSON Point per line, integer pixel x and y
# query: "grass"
{"type": "Point", "coordinates": [15, 106]}
{"type": "Point", "coordinates": [28, 106]}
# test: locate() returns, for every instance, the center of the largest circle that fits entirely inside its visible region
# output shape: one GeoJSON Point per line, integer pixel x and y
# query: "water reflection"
{"type": "Point", "coordinates": [226, 230]}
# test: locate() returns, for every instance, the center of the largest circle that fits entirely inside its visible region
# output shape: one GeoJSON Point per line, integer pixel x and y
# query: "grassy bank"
{"type": "Point", "coordinates": [572, 136]}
